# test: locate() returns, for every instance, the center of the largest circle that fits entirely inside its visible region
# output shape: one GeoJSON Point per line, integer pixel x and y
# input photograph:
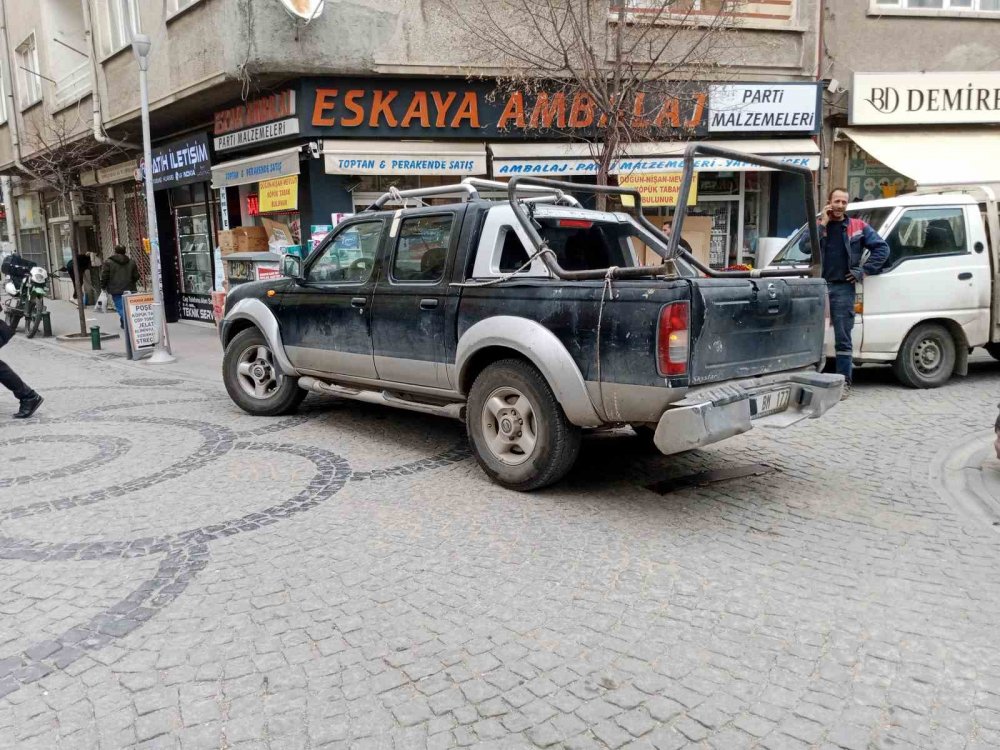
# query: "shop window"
{"type": "Point", "coordinates": [935, 7]}
{"type": "Point", "coordinates": [926, 232]}
{"type": "Point", "coordinates": [121, 23]}
{"type": "Point", "coordinates": [350, 257]}
{"type": "Point", "coordinates": [423, 248]}
{"type": "Point", "coordinates": [28, 79]}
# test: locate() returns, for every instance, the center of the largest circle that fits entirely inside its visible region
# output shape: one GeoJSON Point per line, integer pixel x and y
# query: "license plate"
{"type": "Point", "coordinates": [771, 402]}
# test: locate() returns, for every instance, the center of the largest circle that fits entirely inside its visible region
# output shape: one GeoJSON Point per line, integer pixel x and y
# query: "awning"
{"type": "Point", "coordinates": [404, 157]}
{"type": "Point", "coordinates": [282, 163]}
{"type": "Point", "coordinates": [656, 156]}
{"type": "Point", "coordinates": [934, 156]}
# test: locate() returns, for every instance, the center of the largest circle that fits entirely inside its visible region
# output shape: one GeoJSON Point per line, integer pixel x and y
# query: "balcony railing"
{"type": "Point", "coordinates": [73, 86]}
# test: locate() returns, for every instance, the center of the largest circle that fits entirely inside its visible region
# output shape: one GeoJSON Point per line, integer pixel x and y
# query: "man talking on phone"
{"type": "Point", "coordinates": [851, 250]}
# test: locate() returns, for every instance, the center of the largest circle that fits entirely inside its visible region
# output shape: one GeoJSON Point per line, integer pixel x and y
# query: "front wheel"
{"type": "Point", "coordinates": [253, 379]}
{"type": "Point", "coordinates": [33, 318]}
{"type": "Point", "coordinates": [12, 318]}
{"type": "Point", "coordinates": [518, 431]}
{"type": "Point", "coordinates": [927, 357]}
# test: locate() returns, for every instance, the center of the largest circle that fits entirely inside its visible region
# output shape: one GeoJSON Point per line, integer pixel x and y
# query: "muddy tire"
{"type": "Point", "coordinates": [253, 380]}
{"type": "Point", "coordinates": [518, 431]}
{"type": "Point", "coordinates": [927, 357]}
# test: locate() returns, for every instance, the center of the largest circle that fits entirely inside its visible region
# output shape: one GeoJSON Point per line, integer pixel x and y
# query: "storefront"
{"type": "Point", "coordinates": [909, 130]}
{"type": "Point", "coordinates": [342, 142]}
{"type": "Point", "coordinates": [181, 173]}
{"type": "Point", "coordinates": [119, 206]}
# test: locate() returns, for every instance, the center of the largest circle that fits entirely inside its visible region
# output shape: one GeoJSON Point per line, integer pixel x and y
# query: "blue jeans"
{"type": "Point", "coordinates": [842, 318]}
{"type": "Point", "coordinates": [119, 301]}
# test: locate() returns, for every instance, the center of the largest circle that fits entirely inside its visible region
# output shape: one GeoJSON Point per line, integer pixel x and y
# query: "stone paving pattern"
{"type": "Point", "coordinates": [174, 573]}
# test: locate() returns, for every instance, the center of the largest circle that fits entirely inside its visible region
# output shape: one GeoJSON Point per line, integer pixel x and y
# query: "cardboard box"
{"type": "Point", "coordinates": [250, 239]}
{"type": "Point", "coordinates": [698, 233]}
{"type": "Point", "coordinates": [278, 232]}
{"type": "Point", "coordinates": [227, 242]}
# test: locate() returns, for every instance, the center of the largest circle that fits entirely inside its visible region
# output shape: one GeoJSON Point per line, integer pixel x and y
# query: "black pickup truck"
{"type": "Point", "coordinates": [530, 319]}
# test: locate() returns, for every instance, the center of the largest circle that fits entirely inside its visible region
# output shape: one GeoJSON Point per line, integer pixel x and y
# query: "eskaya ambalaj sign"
{"type": "Point", "coordinates": [925, 98]}
{"type": "Point", "coordinates": [455, 108]}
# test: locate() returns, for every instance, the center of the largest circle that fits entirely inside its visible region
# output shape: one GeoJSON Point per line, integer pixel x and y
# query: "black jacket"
{"type": "Point", "coordinates": [119, 275]}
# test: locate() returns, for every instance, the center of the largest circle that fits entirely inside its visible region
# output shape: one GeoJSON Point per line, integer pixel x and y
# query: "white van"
{"type": "Point", "coordinates": [938, 295]}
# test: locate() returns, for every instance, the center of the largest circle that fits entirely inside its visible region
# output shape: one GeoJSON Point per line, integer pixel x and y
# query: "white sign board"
{"type": "Point", "coordinates": [556, 167]}
{"type": "Point", "coordinates": [140, 326]}
{"type": "Point", "coordinates": [269, 131]}
{"type": "Point", "coordinates": [925, 98]}
{"type": "Point", "coordinates": [763, 107]}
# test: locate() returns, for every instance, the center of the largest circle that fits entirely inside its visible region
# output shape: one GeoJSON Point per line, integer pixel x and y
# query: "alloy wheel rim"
{"type": "Point", "coordinates": [509, 426]}
{"type": "Point", "coordinates": [256, 373]}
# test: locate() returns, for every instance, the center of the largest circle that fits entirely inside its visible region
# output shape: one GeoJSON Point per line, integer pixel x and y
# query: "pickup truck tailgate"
{"type": "Point", "coordinates": [747, 327]}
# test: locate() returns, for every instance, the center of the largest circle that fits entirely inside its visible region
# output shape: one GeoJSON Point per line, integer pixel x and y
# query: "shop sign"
{"type": "Point", "coordinates": [764, 107]}
{"type": "Point", "coordinates": [121, 172]}
{"type": "Point", "coordinates": [181, 162]}
{"type": "Point", "coordinates": [281, 194]}
{"type": "Point", "coordinates": [658, 188]}
{"type": "Point", "coordinates": [925, 98]}
{"type": "Point", "coordinates": [260, 120]}
{"type": "Point", "coordinates": [140, 325]}
{"type": "Point", "coordinates": [266, 167]}
{"type": "Point", "coordinates": [197, 307]}
{"type": "Point", "coordinates": [455, 108]}
{"type": "Point", "coordinates": [544, 167]}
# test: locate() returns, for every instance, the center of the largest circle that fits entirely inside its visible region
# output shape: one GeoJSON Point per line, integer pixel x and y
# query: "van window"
{"type": "Point", "coordinates": [584, 245]}
{"type": "Point", "coordinates": [798, 251]}
{"type": "Point", "coordinates": [927, 231]}
{"type": "Point", "coordinates": [423, 248]}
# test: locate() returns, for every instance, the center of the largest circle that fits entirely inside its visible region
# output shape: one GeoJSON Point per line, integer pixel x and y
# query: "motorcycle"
{"type": "Point", "coordinates": [26, 287]}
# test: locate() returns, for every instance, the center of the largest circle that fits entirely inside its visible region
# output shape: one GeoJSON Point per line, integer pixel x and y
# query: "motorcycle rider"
{"type": "Point", "coordinates": [30, 400]}
{"type": "Point", "coordinates": [119, 275]}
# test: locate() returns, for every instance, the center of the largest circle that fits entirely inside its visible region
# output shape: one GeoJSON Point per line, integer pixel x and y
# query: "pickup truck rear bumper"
{"type": "Point", "coordinates": [720, 411]}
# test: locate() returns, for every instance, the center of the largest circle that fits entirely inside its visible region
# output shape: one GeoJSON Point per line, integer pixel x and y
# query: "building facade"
{"type": "Point", "coordinates": [913, 94]}
{"type": "Point", "coordinates": [257, 115]}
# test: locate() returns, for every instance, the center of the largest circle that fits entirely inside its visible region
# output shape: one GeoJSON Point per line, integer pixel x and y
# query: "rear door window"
{"type": "Point", "coordinates": [422, 250]}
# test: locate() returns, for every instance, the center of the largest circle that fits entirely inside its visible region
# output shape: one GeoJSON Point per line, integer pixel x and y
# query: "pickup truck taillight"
{"type": "Point", "coordinates": [672, 340]}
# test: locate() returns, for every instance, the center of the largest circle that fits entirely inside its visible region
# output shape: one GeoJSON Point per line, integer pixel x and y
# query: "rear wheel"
{"type": "Point", "coordinates": [518, 431]}
{"type": "Point", "coordinates": [994, 350]}
{"type": "Point", "coordinates": [12, 318]}
{"type": "Point", "coordinates": [927, 357]}
{"type": "Point", "coordinates": [253, 379]}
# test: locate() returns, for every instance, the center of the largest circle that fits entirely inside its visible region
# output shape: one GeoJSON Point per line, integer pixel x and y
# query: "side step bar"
{"type": "Point", "coordinates": [384, 398]}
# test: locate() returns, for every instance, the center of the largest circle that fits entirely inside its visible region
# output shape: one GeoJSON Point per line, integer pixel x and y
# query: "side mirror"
{"type": "Point", "coordinates": [291, 266]}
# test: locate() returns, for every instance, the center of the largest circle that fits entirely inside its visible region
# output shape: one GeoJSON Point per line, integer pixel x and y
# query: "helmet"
{"type": "Point", "coordinates": [10, 288]}
{"type": "Point", "coordinates": [38, 275]}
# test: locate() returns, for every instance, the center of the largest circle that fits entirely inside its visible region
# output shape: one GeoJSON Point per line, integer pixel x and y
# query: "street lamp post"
{"type": "Point", "coordinates": [161, 353]}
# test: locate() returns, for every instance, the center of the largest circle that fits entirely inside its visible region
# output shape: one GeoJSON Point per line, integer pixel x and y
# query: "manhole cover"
{"type": "Point", "coordinates": [673, 484]}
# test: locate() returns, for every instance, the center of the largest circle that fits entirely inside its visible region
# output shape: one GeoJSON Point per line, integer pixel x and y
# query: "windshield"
{"type": "Point", "coordinates": [798, 250]}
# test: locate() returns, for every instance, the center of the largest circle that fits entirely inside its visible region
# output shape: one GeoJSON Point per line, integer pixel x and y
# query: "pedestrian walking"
{"type": "Point", "coordinates": [30, 401]}
{"type": "Point", "coordinates": [120, 274]}
{"type": "Point", "coordinates": [851, 250]}
{"type": "Point", "coordinates": [85, 266]}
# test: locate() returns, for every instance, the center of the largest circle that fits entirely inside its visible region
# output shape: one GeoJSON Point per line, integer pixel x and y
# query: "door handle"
{"type": "Point", "coordinates": [359, 301]}
{"type": "Point", "coordinates": [428, 304]}
{"type": "Point", "coordinates": [965, 276]}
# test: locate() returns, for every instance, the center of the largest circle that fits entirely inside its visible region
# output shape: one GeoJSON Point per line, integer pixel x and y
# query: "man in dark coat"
{"type": "Point", "coordinates": [30, 401]}
{"type": "Point", "coordinates": [119, 275]}
{"type": "Point", "coordinates": [85, 266]}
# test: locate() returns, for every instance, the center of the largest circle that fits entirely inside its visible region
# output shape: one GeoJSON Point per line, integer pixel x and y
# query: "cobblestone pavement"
{"type": "Point", "coordinates": [174, 573]}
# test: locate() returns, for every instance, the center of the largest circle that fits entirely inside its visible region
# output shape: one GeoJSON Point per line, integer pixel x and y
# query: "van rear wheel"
{"type": "Point", "coordinates": [927, 357]}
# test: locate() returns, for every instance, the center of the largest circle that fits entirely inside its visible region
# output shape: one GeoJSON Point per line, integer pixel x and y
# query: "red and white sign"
{"type": "Point", "coordinates": [266, 273]}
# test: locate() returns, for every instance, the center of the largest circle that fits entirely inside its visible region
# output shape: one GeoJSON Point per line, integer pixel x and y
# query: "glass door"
{"type": "Point", "coordinates": [194, 244]}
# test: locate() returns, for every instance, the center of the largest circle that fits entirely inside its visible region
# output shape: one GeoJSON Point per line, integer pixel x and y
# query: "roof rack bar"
{"type": "Point", "coordinates": [457, 189]}
{"type": "Point", "coordinates": [483, 184]}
